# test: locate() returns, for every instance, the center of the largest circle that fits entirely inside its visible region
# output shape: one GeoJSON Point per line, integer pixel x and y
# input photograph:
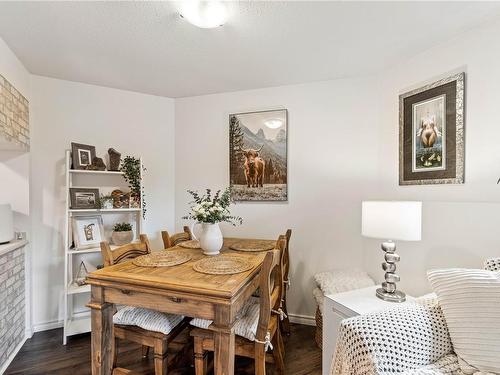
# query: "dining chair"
{"type": "Point", "coordinates": [285, 257]}
{"type": "Point", "coordinates": [125, 252]}
{"type": "Point", "coordinates": [175, 239]}
{"type": "Point", "coordinates": [257, 329]}
{"type": "Point", "coordinates": [151, 329]}
{"type": "Point", "coordinates": [285, 323]}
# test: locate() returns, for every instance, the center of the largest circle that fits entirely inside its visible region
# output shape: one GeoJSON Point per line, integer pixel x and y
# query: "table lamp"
{"type": "Point", "coordinates": [391, 220]}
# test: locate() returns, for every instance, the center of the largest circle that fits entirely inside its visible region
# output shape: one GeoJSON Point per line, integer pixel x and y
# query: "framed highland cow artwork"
{"type": "Point", "coordinates": [258, 168]}
{"type": "Point", "coordinates": [431, 133]}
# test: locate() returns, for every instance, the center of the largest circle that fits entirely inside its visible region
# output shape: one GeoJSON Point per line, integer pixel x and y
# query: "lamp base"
{"type": "Point", "coordinates": [396, 296]}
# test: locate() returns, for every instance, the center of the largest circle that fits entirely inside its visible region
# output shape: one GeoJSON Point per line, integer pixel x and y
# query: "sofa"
{"type": "Point", "coordinates": [411, 339]}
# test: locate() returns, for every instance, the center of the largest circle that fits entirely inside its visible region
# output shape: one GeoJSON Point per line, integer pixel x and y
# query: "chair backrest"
{"type": "Point", "coordinates": [286, 256]}
{"type": "Point", "coordinates": [171, 241]}
{"type": "Point", "coordinates": [282, 246]}
{"type": "Point", "coordinates": [125, 252]}
{"type": "Point", "coordinates": [271, 285]}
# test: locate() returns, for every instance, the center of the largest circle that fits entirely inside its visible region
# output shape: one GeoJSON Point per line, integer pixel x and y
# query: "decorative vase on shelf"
{"type": "Point", "coordinates": [122, 238]}
{"type": "Point", "coordinates": [122, 234]}
{"type": "Point", "coordinates": [114, 159]}
{"type": "Point", "coordinates": [107, 203]}
{"type": "Point", "coordinates": [210, 238]}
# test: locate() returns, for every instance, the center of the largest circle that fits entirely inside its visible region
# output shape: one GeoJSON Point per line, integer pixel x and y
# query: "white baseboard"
{"type": "Point", "coordinates": [28, 332]}
{"type": "Point", "coordinates": [294, 318]}
{"type": "Point", "coordinates": [13, 355]}
{"type": "Point", "coordinates": [47, 325]}
{"type": "Point", "coordinates": [302, 319]}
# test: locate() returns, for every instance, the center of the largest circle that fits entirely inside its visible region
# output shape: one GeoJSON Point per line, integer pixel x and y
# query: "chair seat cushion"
{"type": "Point", "coordinates": [150, 320]}
{"type": "Point", "coordinates": [247, 320]}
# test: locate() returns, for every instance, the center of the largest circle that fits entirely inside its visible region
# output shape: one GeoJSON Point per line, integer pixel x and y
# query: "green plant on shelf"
{"type": "Point", "coordinates": [131, 168]}
{"type": "Point", "coordinates": [122, 227]}
{"type": "Point", "coordinates": [106, 201]}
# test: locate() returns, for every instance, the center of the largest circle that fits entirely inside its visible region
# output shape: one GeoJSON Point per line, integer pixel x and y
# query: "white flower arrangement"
{"type": "Point", "coordinates": [208, 209]}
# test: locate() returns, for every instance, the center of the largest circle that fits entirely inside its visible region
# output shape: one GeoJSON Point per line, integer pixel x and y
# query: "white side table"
{"type": "Point", "coordinates": [338, 307]}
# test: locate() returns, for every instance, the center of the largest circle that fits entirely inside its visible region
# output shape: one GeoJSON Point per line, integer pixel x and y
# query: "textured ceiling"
{"type": "Point", "coordinates": [147, 47]}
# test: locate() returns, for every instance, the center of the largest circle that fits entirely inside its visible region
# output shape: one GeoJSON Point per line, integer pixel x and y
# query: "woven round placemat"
{"type": "Point", "coordinates": [222, 265]}
{"type": "Point", "coordinates": [191, 244]}
{"type": "Point", "coordinates": [162, 259]}
{"type": "Point", "coordinates": [253, 245]}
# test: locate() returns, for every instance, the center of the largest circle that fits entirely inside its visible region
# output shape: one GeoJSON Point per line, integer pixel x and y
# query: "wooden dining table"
{"type": "Point", "coordinates": [178, 290]}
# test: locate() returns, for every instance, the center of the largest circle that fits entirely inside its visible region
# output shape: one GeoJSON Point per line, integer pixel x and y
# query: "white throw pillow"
{"type": "Point", "coordinates": [470, 300]}
{"type": "Point", "coordinates": [492, 264]}
{"type": "Point", "coordinates": [319, 298]}
{"type": "Point", "coordinates": [150, 320]}
{"type": "Point", "coordinates": [338, 281]}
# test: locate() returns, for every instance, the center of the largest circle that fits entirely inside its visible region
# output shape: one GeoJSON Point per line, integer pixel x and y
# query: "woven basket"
{"type": "Point", "coordinates": [318, 336]}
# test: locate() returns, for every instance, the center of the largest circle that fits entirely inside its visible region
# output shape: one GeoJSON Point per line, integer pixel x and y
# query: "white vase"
{"type": "Point", "coordinates": [210, 238]}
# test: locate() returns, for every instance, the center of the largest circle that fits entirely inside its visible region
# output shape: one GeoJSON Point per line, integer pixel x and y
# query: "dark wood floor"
{"type": "Point", "coordinates": [45, 354]}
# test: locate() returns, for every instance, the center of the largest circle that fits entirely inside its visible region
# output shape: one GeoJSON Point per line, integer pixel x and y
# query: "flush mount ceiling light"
{"type": "Point", "coordinates": [204, 14]}
{"type": "Point", "coordinates": [274, 123]}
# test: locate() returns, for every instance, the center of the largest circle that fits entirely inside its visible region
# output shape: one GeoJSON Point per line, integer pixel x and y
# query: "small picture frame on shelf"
{"type": "Point", "coordinates": [84, 198]}
{"type": "Point", "coordinates": [88, 231]}
{"type": "Point", "coordinates": [82, 155]}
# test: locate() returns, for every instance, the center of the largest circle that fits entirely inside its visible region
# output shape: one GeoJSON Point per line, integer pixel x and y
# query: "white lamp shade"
{"type": "Point", "coordinates": [6, 223]}
{"type": "Point", "coordinates": [392, 220]}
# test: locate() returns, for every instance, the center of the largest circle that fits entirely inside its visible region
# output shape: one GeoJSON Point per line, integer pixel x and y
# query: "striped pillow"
{"type": "Point", "coordinates": [470, 300]}
{"type": "Point", "coordinates": [246, 323]}
{"type": "Point", "coordinates": [150, 320]}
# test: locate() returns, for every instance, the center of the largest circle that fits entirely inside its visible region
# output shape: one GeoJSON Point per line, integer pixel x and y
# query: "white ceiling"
{"type": "Point", "coordinates": [147, 47]}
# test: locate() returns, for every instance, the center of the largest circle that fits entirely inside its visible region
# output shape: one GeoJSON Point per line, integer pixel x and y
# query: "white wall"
{"type": "Point", "coordinates": [13, 70]}
{"type": "Point", "coordinates": [134, 124]}
{"type": "Point", "coordinates": [460, 223]}
{"type": "Point", "coordinates": [14, 165]}
{"type": "Point", "coordinates": [343, 148]}
{"type": "Point", "coordinates": [332, 148]}
{"type": "Point", "coordinates": [15, 169]}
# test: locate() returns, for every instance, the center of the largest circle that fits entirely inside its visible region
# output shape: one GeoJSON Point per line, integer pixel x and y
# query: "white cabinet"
{"type": "Point", "coordinates": [338, 307]}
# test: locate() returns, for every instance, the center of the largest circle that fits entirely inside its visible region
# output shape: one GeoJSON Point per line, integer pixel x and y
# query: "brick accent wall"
{"type": "Point", "coordinates": [14, 115]}
{"type": "Point", "coordinates": [12, 306]}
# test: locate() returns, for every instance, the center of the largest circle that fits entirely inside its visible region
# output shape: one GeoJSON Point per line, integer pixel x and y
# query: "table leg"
{"type": "Point", "coordinates": [102, 333]}
{"type": "Point", "coordinates": [224, 351]}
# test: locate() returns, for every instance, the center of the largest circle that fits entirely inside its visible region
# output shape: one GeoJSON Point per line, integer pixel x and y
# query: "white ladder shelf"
{"type": "Point", "coordinates": [76, 315]}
